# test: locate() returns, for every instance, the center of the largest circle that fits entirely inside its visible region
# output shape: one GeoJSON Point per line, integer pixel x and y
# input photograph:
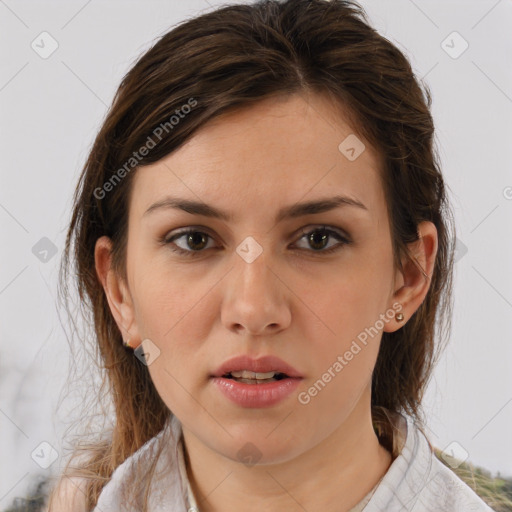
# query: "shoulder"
{"type": "Point", "coordinates": [417, 481]}
{"type": "Point", "coordinates": [440, 488]}
{"type": "Point", "coordinates": [446, 491]}
{"type": "Point", "coordinates": [68, 494]}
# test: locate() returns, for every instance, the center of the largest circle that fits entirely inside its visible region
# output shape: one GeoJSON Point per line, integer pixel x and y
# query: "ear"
{"type": "Point", "coordinates": [116, 291]}
{"type": "Point", "coordinates": [413, 282]}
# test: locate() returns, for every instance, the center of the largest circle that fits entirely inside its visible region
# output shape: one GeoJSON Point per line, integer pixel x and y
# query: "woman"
{"type": "Point", "coordinates": [262, 234]}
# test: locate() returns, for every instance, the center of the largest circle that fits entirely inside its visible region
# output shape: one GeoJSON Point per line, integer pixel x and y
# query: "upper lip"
{"type": "Point", "coordinates": [261, 365]}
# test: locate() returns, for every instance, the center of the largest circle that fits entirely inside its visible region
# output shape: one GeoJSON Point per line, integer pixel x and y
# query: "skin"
{"type": "Point", "coordinates": [291, 301]}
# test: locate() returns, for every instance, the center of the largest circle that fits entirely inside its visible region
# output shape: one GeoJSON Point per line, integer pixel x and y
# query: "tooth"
{"type": "Point", "coordinates": [245, 374]}
{"type": "Point", "coordinates": [268, 375]}
{"type": "Point", "coordinates": [255, 381]}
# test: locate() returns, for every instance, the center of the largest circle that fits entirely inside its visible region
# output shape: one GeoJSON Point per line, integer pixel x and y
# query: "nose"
{"type": "Point", "coordinates": [256, 298]}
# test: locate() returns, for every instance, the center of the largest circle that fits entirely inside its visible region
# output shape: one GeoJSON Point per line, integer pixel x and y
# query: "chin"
{"type": "Point", "coordinates": [254, 447]}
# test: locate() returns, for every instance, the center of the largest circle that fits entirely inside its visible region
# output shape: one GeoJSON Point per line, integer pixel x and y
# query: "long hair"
{"type": "Point", "coordinates": [233, 58]}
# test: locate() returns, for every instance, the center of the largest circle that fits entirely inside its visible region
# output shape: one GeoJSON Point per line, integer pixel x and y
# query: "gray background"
{"type": "Point", "coordinates": [51, 109]}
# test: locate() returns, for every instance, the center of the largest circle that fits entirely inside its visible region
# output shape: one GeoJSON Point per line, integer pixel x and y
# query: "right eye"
{"type": "Point", "coordinates": [192, 237]}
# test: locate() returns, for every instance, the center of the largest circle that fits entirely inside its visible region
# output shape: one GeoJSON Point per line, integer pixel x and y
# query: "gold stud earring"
{"type": "Point", "coordinates": [126, 343]}
{"type": "Point", "coordinates": [399, 317]}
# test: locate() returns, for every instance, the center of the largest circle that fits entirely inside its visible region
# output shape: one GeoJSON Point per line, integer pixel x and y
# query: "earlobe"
{"type": "Point", "coordinates": [116, 290]}
{"type": "Point", "coordinates": [416, 275]}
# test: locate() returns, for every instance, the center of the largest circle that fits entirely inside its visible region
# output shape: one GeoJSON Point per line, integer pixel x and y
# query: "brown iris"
{"type": "Point", "coordinates": [197, 238]}
{"type": "Point", "coordinates": [313, 238]}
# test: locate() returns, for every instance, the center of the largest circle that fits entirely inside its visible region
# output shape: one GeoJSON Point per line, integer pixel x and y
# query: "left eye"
{"type": "Point", "coordinates": [318, 236]}
{"type": "Point", "coordinates": [196, 240]}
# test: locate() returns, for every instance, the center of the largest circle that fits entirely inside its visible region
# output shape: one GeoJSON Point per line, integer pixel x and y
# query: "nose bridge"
{"type": "Point", "coordinates": [254, 277]}
{"type": "Point", "coordinates": [254, 298]}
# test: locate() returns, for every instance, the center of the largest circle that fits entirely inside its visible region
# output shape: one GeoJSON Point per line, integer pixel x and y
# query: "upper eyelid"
{"type": "Point", "coordinates": [188, 229]}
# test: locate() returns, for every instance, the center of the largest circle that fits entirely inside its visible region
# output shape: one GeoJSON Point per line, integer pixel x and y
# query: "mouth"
{"type": "Point", "coordinates": [258, 387]}
{"type": "Point", "coordinates": [256, 383]}
{"type": "Point", "coordinates": [248, 377]}
{"type": "Point", "coordinates": [244, 368]}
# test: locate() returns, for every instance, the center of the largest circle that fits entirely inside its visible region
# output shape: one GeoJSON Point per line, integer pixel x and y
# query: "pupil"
{"type": "Point", "coordinates": [323, 237]}
{"type": "Point", "coordinates": [192, 239]}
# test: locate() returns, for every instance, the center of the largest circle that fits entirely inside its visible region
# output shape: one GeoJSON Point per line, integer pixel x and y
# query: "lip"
{"type": "Point", "coordinates": [256, 395]}
{"type": "Point", "coordinates": [261, 365]}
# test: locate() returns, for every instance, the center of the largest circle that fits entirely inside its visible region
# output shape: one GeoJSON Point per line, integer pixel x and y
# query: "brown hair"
{"type": "Point", "coordinates": [232, 58]}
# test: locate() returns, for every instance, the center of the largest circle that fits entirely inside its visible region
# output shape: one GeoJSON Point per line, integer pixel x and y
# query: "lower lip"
{"type": "Point", "coordinates": [256, 395]}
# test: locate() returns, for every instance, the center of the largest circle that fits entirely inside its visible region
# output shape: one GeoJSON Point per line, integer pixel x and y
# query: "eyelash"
{"type": "Point", "coordinates": [166, 240]}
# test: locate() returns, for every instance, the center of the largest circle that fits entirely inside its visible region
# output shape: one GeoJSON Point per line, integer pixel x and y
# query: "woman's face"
{"type": "Point", "coordinates": [255, 283]}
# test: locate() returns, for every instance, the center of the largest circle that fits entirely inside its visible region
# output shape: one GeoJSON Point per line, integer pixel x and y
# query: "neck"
{"type": "Point", "coordinates": [333, 476]}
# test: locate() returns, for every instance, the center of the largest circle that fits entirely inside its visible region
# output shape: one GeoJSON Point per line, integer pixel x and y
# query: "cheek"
{"type": "Point", "coordinates": [338, 307]}
{"type": "Point", "coordinates": [175, 311]}
{"type": "Point", "coordinates": [173, 318]}
{"type": "Point", "coordinates": [344, 336]}
{"type": "Point", "coordinates": [165, 300]}
{"type": "Point", "coordinates": [342, 361]}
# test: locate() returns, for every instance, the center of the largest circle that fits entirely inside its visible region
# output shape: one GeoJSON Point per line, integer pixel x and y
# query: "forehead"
{"type": "Point", "coordinates": [280, 150]}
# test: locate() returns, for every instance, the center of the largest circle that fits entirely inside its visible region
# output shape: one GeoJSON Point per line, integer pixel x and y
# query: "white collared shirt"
{"type": "Point", "coordinates": [416, 481]}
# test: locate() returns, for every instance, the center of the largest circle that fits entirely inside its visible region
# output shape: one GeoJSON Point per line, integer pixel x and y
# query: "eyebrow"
{"type": "Point", "coordinates": [288, 212]}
